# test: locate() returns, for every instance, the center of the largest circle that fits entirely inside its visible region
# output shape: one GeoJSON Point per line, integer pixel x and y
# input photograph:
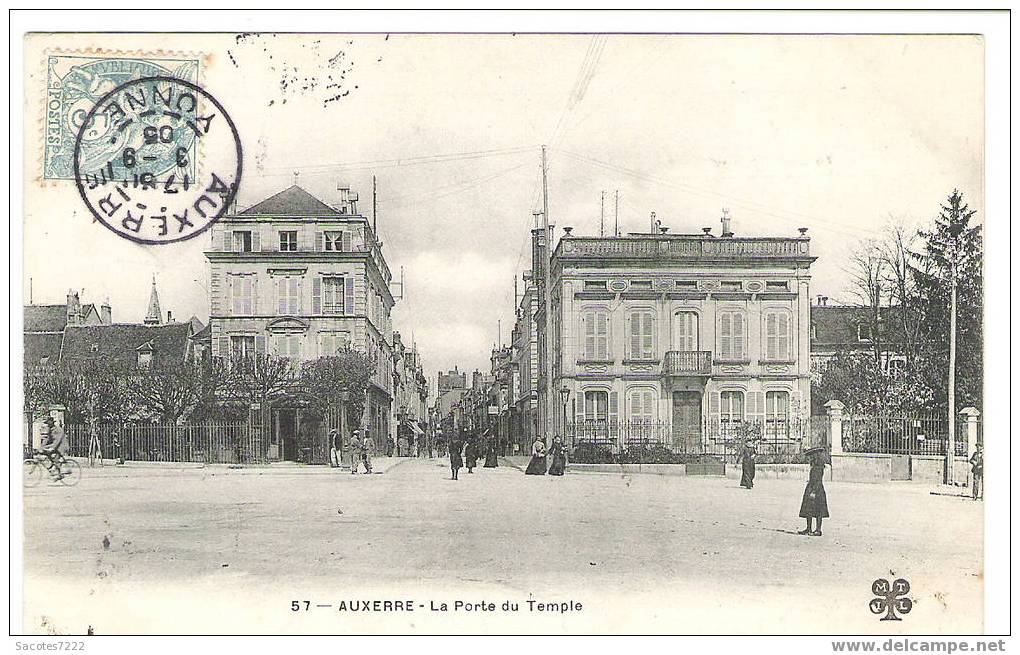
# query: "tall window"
{"type": "Point", "coordinates": [288, 241]}
{"type": "Point", "coordinates": [641, 406]}
{"type": "Point", "coordinates": [731, 411]}
{"type": "Point", "coordinates": [731, 336]}
{"type": "Point", "coordinates": [642, 335]}
{"type": "Point", "coordinates": [287, 345]}
{"type": "Point", "coordinates": [777, 413]}
{"type": "Point", "coordinates": [332, 295]}
{"type": "Point", "coordinates": [289, 295]}
{"type": "Point", "coordinates": [777, 335]}
{"type": "Point", "coordinates": [596, 405]}
{"type": "Point", "coordinates": [686, 327]}
{"type": "Point", "coordinates": [596, 334]}
{"type": "Point", "coordinates": [334, 241]}
{"type": "Point", "coordinates": [242, 346]}
{"type": "Point", "coordinates": [242, 290]}
{"type": "Point", "coordinates": [242, 241]}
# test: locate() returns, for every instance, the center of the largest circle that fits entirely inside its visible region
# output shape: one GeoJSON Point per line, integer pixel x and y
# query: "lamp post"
{"type": "Point", "coordinates": [345, 396]}
{"type": "Point", "coordinates": [564, 396]}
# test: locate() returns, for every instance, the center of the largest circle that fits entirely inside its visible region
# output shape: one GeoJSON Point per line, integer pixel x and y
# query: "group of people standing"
{"type": "Point", "coordinates": [357, 447]}
{"type": "Point", "coordinates": [465, 450]}
{"type": "Point", "coordinates": [557, 458]}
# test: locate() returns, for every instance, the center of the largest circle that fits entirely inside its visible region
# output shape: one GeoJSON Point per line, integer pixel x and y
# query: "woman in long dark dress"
{"type": "Point", "coordinates": [471, 453]}
{"type": "Point", "coordinates": [456, 445]}
{"type": "Point", "coordinates": [557, 457]}
{"type": "Point", "coordinates": [491, 454]}
{"type": "Point", "coordinates": [747, 466]}
{"type": "Point", "coordinates": [537, 464]}
{"type": "Point", "coordinates": [814, 505]}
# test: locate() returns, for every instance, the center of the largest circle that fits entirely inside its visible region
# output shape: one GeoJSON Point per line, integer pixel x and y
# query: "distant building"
{"type": "Point", "coordinates": [295, 277]}
{"type": "Point", "coordinates": [128, 345]}
{"type": "Point", "coordinates": [44, 326]}
{"type": "Point", "coordinates": [851, 328]}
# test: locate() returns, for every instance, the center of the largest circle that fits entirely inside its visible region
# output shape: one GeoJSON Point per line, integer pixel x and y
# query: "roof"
{"type": "Point", "coordinates": [835, 326]}
{"type": "Point", "coordinates": [196, 324]}
{"type": "Point", "coordinates": [38, 346]}
{"type": "Point", "coordinates": [293, 201]}
{"type": "Point", "coordinates": [45, 318]}
{"type": "Point", "coordinates": [205, 334]}
{"type": "Point", "coordinates": [120, 341]}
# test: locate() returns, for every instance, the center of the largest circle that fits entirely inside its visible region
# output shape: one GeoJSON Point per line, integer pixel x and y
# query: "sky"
{"type": "Point", "coordinates": [839, 134]}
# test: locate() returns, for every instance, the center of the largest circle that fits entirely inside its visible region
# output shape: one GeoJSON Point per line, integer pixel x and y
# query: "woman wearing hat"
{"type": "Point", "coordinates": [537, 465]}
{"type": "Point", "coordinates": [814, 504]}
{"type": "Point", "coordinates": [747, 465]}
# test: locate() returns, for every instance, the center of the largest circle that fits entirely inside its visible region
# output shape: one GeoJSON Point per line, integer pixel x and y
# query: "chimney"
{"type": "Point", "coordinates": [169, 316]}
{"type": "Point", "coordinates": [73, 307]}
{"type": "Point", "coordinates": [538, 252]}
{"type": "Point", "coordinates": [725, 220]}
{"type": "Point", "coordinates": [106, 313]}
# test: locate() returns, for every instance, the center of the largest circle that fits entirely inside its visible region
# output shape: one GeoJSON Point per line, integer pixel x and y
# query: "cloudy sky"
{"type": "Point", "coordinates": [836, 134]}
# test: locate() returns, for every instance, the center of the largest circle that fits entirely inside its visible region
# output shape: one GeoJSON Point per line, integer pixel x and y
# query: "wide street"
{"type": "Point", "coordinates": [219, 550]}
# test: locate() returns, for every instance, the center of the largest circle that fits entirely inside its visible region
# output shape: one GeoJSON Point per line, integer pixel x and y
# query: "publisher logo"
{"type": "Point", "coordinates": [891, 599]}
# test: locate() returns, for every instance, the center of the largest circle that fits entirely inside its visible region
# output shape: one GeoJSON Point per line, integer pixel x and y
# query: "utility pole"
{"type": "Point", "coordinates": [375, 224]}
{"type": "Point", "coordinates": [602, 216]}
{"type": "Point", "coordinates": [616, 215]}
{"type": "Point", "coordinates": [547, 292]}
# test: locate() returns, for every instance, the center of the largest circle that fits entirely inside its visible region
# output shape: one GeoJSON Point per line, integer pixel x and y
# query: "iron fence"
{"type": "Point", "coordinates": [916, 434]}
{"type": "Point", "coordinates": [774, 440]}
{"type": "Point", "coordinates": [210, 443]}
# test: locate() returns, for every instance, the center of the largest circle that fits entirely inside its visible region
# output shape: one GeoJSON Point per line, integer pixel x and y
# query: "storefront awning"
{"type": "Point", "coordinates": [414, 427]}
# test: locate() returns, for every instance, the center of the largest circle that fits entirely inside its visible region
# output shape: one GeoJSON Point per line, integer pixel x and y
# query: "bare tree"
{"type": "Point", "coordinates": [868, 279]}
{"type": "Point", "coordinates": [897, 250]}
{"type": "Point", "coordinates": [256, 378]}
{"type": "Point", "coordinates": [169, 389]}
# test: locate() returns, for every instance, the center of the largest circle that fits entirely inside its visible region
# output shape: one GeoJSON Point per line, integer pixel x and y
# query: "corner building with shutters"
{"type": "Point", "coordinates": [679, 340]}
{"type": "Point", "coordinates": [295, 277]}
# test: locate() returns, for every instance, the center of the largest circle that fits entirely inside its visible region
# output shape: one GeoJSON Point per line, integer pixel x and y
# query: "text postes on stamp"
{"type": "Point", "coordinates": [73, 85]}
{"type": "Point", "coordinates": [134, 160]}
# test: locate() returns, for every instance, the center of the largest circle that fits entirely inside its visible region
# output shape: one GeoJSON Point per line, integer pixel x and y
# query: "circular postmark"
{"type": "Point", "coordinates": [145, 185]}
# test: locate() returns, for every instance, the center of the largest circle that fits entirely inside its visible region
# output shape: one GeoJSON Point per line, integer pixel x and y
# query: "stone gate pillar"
{"type": "Point", "coordinates": [970, 416]}
{"type": "Point", "coordinates": [834, 410]}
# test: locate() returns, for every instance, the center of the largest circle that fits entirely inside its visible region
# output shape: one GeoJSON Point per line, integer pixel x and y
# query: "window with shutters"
{"type": "Point", "coordinates": [777, 414]}
{"type": "Point", "coordinates": [595, 328]}
{"type": "Point", "coordinates": [332, 295]}
{"type": "Point", "coordinates": [642, 334]}
{"type": "Point", "coordinates": [334, 241]}
{"type": "Point", "coordinates": [641, 407]}
{"type": "Point", "coordinates": [732, 340]}
{"type": "Point", "coordinates": [596, 405]}
{"type": "Point", "coordinates": [242, 345]}
{"type": "Point", "coordinates": [288, 295]}
{"type": "Point", "coordinates": [330, 343]}
{"type": "Point", "coordinates": [288, 241]}
{"type": "Point", "coordinates": [777, 335]}
{"type": "Point", "coordinates": [242, 241]}
{"type": "Point", "coordinates": [731, 411]}
{"type": "Point", "coordinates": [242, 295]}
{"type": "Point", "coordinates": [287, 345]}
{"type": "Point", "coordinates": [686, 331]}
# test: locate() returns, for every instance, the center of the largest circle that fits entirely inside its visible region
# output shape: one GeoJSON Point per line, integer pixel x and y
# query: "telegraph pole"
{"type": "Point", "coordinates": [951, 445]}
{"type": "Point", "coordinates": [547, 292]}
{"type": "Point", "coordinates": [602, 216]}
{"type": "Point", "coordinates": [616, 215]}
{"type": "Point", "coordinates": [375, 224]}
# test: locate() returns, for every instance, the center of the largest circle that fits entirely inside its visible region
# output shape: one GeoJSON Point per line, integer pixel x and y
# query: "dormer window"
{"type": "Point", "coordinates": [144, 358]}
{"type": "Point", "coordinates": [864, 332]}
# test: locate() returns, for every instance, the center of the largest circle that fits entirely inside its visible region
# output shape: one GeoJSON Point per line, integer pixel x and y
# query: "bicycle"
{"type": "Point", "coordinates": [68, 472]}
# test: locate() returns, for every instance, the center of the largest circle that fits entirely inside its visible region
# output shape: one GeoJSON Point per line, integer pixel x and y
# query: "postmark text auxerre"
{"type": "Point", "coordinates": [133, 160]}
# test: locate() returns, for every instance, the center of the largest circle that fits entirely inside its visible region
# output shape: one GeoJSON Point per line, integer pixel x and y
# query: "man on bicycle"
{"type": "Point", "coordinates": [54, 445]}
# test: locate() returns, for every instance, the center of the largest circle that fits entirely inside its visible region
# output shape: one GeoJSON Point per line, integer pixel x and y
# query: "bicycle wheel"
{"type": "Point", "coordinates": [32, 473]}
{"type": "Point", "coordinates": [72, 473]}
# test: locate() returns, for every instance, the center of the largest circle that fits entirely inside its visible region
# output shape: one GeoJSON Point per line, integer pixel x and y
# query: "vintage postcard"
{"type": "Point", "coordinates": [339, 332]}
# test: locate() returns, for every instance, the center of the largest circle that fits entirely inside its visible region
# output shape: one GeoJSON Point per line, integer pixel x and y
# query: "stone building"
{"type": "Point", "coordinates": [678, 339]}
{"type": "Point", "coordinates": [293, 276]}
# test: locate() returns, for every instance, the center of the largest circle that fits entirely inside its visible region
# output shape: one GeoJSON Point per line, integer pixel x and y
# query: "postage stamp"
{"type": "Point", "coordinates": [74, 82]}
{"type": "Point", "coordinates": [134, 164]}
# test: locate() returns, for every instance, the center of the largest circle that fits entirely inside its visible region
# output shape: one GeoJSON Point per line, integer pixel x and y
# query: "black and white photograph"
{"type": "Point", "coordinates": [350, 329]}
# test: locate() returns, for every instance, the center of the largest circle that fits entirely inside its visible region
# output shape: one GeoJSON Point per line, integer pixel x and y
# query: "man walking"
{"type": "Point", "coordinates": [354, 448]}
{"type": "Point", "coordinates": [366, 453]}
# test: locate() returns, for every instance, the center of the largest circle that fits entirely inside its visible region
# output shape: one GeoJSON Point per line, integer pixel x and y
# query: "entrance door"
{"type": "Point", "coordinates": [687, 421]}
{"type": "Point", "coordinates": [285, 425]}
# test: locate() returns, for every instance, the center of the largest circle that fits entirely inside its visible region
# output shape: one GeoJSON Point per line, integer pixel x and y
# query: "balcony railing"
{"type": "Point", "coordinates": [687, 362]}
{"type": "Point", "coordinates": [670, 247]}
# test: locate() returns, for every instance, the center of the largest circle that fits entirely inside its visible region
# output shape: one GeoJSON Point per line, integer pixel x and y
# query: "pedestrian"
{"type": "Point", "coordinates": [814, 504]}
{"type": "Point", "coordinates": [537, 464]}
{"type": "Point", "coordinates": [354, 450]}
{"type": "Point", "coordinates": [557, 457]}
{"type": "Point", "coordinates": [366, 453]}
{"type": "Point", "coordinates": [491, 453]}
{"type": "Point", "coordinates": [977, 472]}
{"type": "Point", "coordinates": [334, 449]}
{"type": "Point", "coordinates": [455, 455]}
{"type": "Point", "coordinates": [471, 453]}
{"type": "Point", "coordinates": [747, 455]}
